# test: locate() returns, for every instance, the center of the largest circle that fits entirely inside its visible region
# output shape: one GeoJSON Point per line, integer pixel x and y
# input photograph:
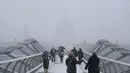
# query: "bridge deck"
{"type": "Point", "coordinates": [58, 67]}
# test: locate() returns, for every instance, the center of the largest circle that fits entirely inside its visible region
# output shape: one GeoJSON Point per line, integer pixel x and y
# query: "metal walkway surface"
{"type": "Point", "coordinates": [58, 67]}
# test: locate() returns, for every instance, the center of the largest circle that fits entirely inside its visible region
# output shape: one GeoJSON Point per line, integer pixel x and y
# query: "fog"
{"type": "Point", "coordinates": [65, 21]}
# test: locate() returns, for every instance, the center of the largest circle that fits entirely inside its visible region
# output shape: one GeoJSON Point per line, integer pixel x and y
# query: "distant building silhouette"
{"type": "Point", "coordinates": [65, 31]}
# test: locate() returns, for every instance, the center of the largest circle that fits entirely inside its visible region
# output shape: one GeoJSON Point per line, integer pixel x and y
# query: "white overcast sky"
{"type": "Point", "coordinates": [90, 19]}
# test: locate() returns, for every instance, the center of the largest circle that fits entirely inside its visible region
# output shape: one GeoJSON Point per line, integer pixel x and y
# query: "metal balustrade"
{"type": "Point", "coordinates": [113, 58]}
{"type": "Point", "coordinates": [24, 57]}
{"type": "Point", "coordinates": [21, 65]}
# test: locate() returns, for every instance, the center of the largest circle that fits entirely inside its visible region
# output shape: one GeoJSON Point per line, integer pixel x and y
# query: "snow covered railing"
{"type": "Point", "coordinates": [22, 57]}
{"type": "Point", "coordinates": [110, 65]}
{"type": "Point", "coordinates": [21, 65]}
{"type": "Point", "coordinates": [28, 47]}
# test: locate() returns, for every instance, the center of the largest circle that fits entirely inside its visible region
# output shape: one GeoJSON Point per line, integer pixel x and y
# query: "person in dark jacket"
{"type": "Point", "coordinates": [61, 53]}
{"type": "Point", "coordinates": [71, 62]}
{"type": "Point", "coordinates": [93, 64]}
{"type": "Point", "coordinates": [45, 61]}
{"type": "Point", "coordinates": [75, 52]}
{"type": "Point", "coordinates": [53, 54]}
{"type": "Point", "coordinates": [80, 54]}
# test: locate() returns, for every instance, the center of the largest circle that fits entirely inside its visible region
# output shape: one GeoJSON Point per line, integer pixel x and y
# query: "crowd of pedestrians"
{"type": "Point", "coordinates": [74, 57]}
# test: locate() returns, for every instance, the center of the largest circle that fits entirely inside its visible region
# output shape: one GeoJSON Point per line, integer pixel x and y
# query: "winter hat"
{"type": "Point", "coordinates": [94, 53]}
{"type": "Point", "coordinates": [71, 54]}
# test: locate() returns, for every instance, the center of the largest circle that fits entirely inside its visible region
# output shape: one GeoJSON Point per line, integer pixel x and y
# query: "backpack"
{"type": "Point", "coordinates": [45, 55]}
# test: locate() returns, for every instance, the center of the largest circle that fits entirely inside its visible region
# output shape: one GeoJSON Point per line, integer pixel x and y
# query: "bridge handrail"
{"type": "Point", "coordinates": [12, 60]}
{"type": "Point", "coordinates": [125, 64]}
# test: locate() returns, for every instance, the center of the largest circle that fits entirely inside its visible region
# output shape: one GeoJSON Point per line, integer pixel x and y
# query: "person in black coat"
{"type": "Point", "coordinates": [53, 54]}
{"type": "Point", "coordinates": [45, 61]}
{"type": "Point", "coordinates": [61, 54]}
{"type": "Point", "coordinates": [71, 62]}
{"type": "Point", "coordinates": [80, 54]}
{"type": "Point", "coordinates": [93, 64]}
{"type": "Point", "coordinates": [75, 52]}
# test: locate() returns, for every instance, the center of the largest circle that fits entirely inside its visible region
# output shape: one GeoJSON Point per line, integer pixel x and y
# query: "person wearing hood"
{"type": "Point", "coordinates": [80, 54]}
{"type": "Point", "coordinates": [71, 62]}
{"type": "Point", "coordinates": [53, 54]}
{"type": "Point", "coordinates": [75, 51]}
{"type": "Point", "coordinates": [93, 64]}
{"type": "Point", "coordinates": [45, 61]}
{"type": "Point", "coordinates": [61, 53]}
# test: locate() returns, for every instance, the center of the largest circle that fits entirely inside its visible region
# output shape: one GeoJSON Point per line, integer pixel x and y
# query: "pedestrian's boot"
{"type": "Point", "coordinates": [45, 70]}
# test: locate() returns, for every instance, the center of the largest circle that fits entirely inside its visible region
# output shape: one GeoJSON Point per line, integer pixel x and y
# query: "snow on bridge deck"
{"type": "Point", "coordinates": [58, 67]}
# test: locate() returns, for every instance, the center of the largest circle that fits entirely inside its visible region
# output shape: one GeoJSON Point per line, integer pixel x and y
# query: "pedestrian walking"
{"type": "Point", "coordinates": [45, 61]}
{"type": "Point", "coordinates": [80, 54]}
{"type": "Point", "coordinates": [71, 62]}
{"type": "Point", "coordinates": [93, 64]}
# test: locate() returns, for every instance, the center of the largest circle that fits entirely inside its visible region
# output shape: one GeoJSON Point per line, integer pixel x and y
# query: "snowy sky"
{"type": "Point", "coordinates": [90, 19]}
